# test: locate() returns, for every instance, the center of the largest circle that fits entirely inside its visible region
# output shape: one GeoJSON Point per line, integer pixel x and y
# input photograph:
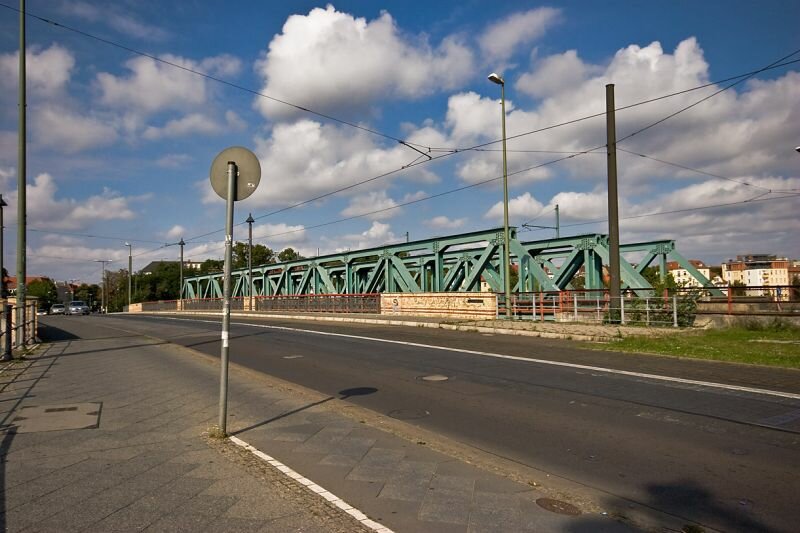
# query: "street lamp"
{"type": "Point", "coordinates": [494, 78]}
{"type": "Point", "coordinates": [130, 272]}
{"type": "Point", "coordinates": [250, 221]}
{"type": "Point", "coordinates": [103, 304]}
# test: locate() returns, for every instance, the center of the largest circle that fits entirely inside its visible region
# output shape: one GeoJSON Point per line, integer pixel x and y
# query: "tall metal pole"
{"type": "Point", "coordinates": [613, 210]}
{"type": "Point", "coordinates": [180, 287]}
{"type": "Point", "coordinates": [558, 224]}
{"type": "Point", "coordinates": [21, 183]}
{"type": "Point", "coordinates": [250, 221]}
{"type": "Point", "coordinates": [506, 237]}
{"type": "Point", "coordinates": [226, 305]}
{"type": "Point", "coordinates": [2, 264]}
{"type": "Point", "coordinates": [103, 299]}
{"type": "Point", "coordinates": [130, 272]}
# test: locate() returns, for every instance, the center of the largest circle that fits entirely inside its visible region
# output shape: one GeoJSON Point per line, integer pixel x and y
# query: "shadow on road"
{"type": "Point", "coordinates": [684, 500]}
{"type": "Point", "coordinates": [345, 394]}
{"type": "Point", "coordinates": [283, 415]}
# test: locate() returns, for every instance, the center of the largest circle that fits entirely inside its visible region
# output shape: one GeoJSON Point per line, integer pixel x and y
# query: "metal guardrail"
{"type": "Point", "coordinates": [594, 307]}
{"type": "Point", "coordinates": [674, 307]}
{"type": "Point", "coordinates": [13, 334]}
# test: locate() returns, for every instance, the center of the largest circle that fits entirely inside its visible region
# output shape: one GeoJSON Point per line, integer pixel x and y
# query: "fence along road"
{"type": "Point", "coordinates": [723, 457]}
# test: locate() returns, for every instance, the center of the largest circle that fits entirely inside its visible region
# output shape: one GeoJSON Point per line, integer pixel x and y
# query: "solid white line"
{"type": "Point", "coordinates": [709, 384]}
{"type": "Point", "coordinates": [314, 488]}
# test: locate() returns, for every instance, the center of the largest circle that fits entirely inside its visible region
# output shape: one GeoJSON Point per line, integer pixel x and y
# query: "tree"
{"type": "Point", "coordinates": [261, 255]}
{"type": "Point", "coordinates": [45, 290]}
{"type": "Point", "coordinates": [210, 266]}
{"type": "Point", "coordinates": [653, 277]}
{"type": "Point", "coordinates": [289, 254]}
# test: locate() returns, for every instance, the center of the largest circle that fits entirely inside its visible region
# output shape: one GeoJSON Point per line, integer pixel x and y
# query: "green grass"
{"type": "Point", "coordinates": [771, 344]}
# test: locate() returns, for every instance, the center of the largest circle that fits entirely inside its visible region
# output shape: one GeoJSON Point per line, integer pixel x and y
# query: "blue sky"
{"type": "Point", "coordinates": [120, 145]}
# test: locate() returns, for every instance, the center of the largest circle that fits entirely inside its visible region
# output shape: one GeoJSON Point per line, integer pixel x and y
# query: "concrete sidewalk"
{"type": "Point", "coordinates": [104, 431]}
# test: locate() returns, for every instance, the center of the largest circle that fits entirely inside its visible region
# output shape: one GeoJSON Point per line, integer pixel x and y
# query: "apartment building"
{"type": "Point", "coordinates": [757, 270]}
{"type": "Point", "coordinates": [682, 276]}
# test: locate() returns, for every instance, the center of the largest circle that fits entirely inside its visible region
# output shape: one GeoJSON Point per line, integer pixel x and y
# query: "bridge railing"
{"type": "Point", "coordinates": [672, 307]}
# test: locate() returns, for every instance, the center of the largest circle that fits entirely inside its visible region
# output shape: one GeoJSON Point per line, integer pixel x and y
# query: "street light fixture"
{"type": "Point", "coordinates": [494, 78]}
{"type": "Point", "coordinates": [130, 272]}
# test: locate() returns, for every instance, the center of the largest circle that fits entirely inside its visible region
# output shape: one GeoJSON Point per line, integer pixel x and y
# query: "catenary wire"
{"type": "Point", "coordinates": [205, 75]}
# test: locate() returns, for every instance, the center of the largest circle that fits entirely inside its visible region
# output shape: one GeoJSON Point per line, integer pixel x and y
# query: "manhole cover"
{"type": "Point", "coordinates": [434, 377]}
{"type": "Point", "coordinates": [34, 418]}
{"type": "Point", "coordinates": [557, 506]}
{"type": "Point", "coordinates": [409, 414]}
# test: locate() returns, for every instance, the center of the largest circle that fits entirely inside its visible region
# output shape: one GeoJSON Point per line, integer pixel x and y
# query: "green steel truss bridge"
{"type": "Point", "coordinates": [456, 263]}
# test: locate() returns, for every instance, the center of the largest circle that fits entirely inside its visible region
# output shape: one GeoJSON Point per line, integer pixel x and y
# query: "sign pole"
{"type": "Point", "coordinates": [226, 305]}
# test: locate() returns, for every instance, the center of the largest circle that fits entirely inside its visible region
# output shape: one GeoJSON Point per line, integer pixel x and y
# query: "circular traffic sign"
{"type": "Point", "coordinates": [249, 172]}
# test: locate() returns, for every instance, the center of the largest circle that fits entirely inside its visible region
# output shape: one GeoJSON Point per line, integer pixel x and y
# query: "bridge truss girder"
{"type": "Point", "coordinates": [455, 263]}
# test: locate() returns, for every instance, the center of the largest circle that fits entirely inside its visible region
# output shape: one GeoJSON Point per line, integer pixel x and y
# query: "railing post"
{"type": "Point", "coordinates": [541, 304]}
{"type": "Point", "coordinates": [575, 306]}
{"type": "Point", "coordinates": [6, 325]}
{"type": "Point", "coordinates": [674, 311]}
{"type": "Point", "coordinates": [647, 311]}
{"type": "Point", "coordinates": [730, 300]}
{"type": "Point", "coordinates": [622, 309]}
{"type": "Point", "coordinates": [597, 300]}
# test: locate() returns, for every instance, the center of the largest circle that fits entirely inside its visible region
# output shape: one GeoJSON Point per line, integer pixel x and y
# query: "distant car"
{"type": "Point", "coordinates": [58, 309]}
{"type": "Point", "coordinates": [41, 311]}
{"type": "Point", "coordinates": [77, 307]}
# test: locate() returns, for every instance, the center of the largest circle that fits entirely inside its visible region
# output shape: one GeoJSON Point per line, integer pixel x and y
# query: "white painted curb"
{"type": "Point", "coordinates": [313, 487]}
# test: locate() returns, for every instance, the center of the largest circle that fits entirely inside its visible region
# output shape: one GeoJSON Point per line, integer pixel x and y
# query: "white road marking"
{"type": "Point", "coordinates": [314, 488]}
{"type": "Point", "coordinates": [657, 377]}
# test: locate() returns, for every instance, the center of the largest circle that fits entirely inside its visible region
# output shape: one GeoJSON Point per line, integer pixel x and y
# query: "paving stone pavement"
{"type": "Point", "coordinates": [144, 464]}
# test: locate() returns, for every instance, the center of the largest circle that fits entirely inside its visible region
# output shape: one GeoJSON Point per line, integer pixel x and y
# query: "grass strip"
{"type": "Point", "coordinates": [770, 346]}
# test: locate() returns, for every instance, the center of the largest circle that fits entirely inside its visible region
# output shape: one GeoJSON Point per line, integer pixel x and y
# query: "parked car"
{"type": "Point", "coordinates": [77, 307]}
{"type": "Point", "coordinates": [41, 312]}
{"type": "Point", "coordinates": [58, 309]}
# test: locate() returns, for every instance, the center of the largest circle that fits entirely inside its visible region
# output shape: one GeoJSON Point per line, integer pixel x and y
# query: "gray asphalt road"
{"type": "Point", "coordinates": [718, 455]}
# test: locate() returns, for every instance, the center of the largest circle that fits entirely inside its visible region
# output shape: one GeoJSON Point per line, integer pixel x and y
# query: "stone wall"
{"type": "Point", "coordinates": [438, 304]}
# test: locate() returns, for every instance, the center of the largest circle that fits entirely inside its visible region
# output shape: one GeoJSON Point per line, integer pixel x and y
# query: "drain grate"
{"type": "Point", "coordinates": [558, 507]}
{"type": "Point", "coordinates": [60, 409]}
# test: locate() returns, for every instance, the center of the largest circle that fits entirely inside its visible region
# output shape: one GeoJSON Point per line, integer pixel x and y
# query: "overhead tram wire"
{"type": "Point", "coordinates": [712, 95]}
{"type": "Point", "coordinates": [698, 171]}
{"type": "Point", "coordinates": [746, 75]}
{"type": "Point", "coordinates": [209, 76]}
{"type": "Point", "coordinates": [451, 151]}
{"type": "Point", "coordinates": [739, 79]}
{"type": "Point", "coordinates": [756, 199]}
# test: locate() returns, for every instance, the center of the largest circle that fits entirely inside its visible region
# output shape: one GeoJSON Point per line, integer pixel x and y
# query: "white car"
{"type": "Point", "coordinates": [77, 307]}
{"type": "Point", "coordinates": [57, 309]}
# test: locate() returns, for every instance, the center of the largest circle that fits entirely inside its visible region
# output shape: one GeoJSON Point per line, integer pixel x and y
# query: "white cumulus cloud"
{"type": "Point", "coordinates": [501, 38]}
{"type": "Point", "coordinates": [329, 60]}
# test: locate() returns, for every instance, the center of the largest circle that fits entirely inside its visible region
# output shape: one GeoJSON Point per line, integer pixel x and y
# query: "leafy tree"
{"type": "Point", "coordinates": [44, 290]}
{"type": "Point", "coordinates": [261, 255]}
{"type": "Point", "coordinates": [210, 266]}
{"type": "Point", "coordinates": [653, 277]}
{"type": "Point", "coordinates": [89, 294]}
{"type": "Point", "coordinates": [289, 254]}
